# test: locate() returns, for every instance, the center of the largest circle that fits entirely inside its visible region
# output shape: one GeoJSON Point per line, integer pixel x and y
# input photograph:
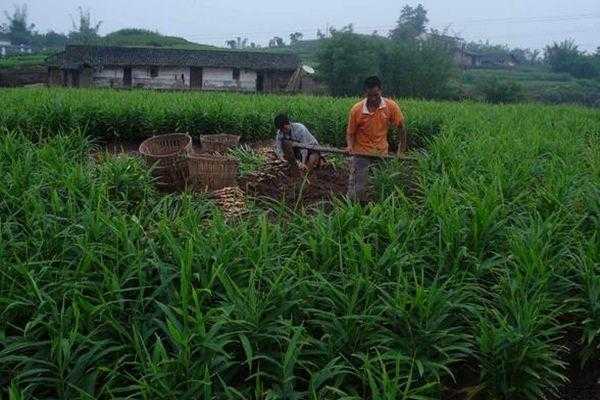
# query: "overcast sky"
{"type": "Point", "coordinates": [524, 23]}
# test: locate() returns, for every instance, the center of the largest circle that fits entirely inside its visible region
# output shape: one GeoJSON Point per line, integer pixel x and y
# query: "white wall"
{"type": "Point", "coordinates": [108, 77]}
{"type": "Point", "coordinates": [168, 78]}
{"type": "Point", "coordinates": [222, 79]}
{"type": "Point", "coordinates": [171, 78]}
{"type": "Point", "coordinates": [248, 80]}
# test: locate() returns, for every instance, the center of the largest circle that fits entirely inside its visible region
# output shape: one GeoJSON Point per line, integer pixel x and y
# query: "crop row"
{"type": "Point", "coordinates": [110, 114]}
{"type": "Point", "coordinates": [491, 269]}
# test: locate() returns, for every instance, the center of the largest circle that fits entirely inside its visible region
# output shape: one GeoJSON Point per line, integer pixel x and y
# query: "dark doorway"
{"type": "Point", "coordinates": [196, 78]}
{"type": "Point", "coordinates": [260, 82]}
{"type": "Point", "coordinates": [75, 78]}
{"type": "Point", "coordinates": [127, 76]}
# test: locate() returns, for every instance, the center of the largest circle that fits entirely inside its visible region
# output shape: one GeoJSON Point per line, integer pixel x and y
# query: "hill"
{"type": "Point", "coordinates": [142, 37]}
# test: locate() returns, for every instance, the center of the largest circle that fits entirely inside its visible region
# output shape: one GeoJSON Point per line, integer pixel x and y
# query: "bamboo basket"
{"type": "Point", "coordinates": [167, 155]}
{"type": "Point", "coordinates": [211, 172]}
{"type": "Point", "coordinates": [218, 143]}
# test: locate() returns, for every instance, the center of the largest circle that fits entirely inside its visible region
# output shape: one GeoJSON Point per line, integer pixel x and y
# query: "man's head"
{"type": "Point", "coordinates": [282, 122]}
{"type": "Point", "coordinates": [373, 89]}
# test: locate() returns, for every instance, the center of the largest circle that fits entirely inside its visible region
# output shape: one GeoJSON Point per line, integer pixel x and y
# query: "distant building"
{"type": "Point", "coordinates": [468, 59]}
{"type": "Point", "coordinates": [304, 81]}
{"type": "Point", "coordinates": [164, 68]}
{"type": "Point", "coordinates": [8, 49]}
{"type": "Point", "coordinates": [4, 45]}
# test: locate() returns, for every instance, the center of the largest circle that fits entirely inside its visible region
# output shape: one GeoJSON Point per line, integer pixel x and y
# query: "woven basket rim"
{"type": "Point", "coordinates": [185, 147]}
{"type": "Point", "coordinates": [211, 157]}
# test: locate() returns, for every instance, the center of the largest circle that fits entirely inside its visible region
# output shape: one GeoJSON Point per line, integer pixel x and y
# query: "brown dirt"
{"type": "Point", "coordinates": [584, 383]}
{"type": "Point", "coordinates": [276, 183]}
{"type": "Point", "coordinates": [273, 182]}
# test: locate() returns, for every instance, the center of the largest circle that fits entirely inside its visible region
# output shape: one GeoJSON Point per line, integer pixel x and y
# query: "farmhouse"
{"type": "Point", "coordinates": [4, 46]}
{"type": "Point", "coordinates": [469, 59]}
{"type": "Point", "coordinates": [163, 68]}
{"type": "Point", "coordinates": [7, 49]}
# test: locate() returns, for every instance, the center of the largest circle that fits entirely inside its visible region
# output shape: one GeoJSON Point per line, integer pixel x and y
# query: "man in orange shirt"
{"type": "Point", "coordinates": [368, 127]}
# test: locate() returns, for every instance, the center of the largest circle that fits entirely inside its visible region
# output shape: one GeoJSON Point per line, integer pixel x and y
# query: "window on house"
{"type": "Point", "coordinates": [153, 72]}
{"type": "Point", "coordinates": [236, 74]}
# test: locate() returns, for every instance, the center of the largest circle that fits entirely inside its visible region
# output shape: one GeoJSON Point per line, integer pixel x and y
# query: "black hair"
{"type": "Point", "coordinates": [372, 82]}
{"type": "Point", "coordinates": [281, 120]}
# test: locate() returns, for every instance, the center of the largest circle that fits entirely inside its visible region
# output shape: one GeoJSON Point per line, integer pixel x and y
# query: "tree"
{"type": "Point", "coordinates": [276, 42]}
{"type": "Point", "coordinates": [320, 34]}
{"type": "Point", "coordinates": [566, 57]}
{"type": "Point", "coordinates": [535, 56]}
{"type": "Point", "coordinates": [412, 23]}
{"type": "Point", "coordinates": [50, 39]}
{"type": "Point", "coordinates": [84, 32]}
{"type": "Point", "coordinates": [520, 55]}
{"type": "Point", "coordinates": [237, 43]}
{"type": "Point", "coordinates": [241, 43]}
{"type": "Point", "coordinates": [494, 90]}
{"type": "Point", "coordinates": [487, 48]}
{"type": "Point", "coordinates": [422, 69]}
{"type": "Point", "coordinates": [19, 31]}
{"type": "Point", "coordinates": [346, 59]}
{"type": "Point", "coordinates": [296, 37]}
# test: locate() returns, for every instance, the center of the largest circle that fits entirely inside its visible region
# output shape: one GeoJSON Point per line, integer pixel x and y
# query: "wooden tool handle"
{"type": "Point", "coordinates": [324, 149]}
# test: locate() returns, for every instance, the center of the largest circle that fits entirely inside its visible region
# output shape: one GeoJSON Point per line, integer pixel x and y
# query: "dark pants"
{"type": "Point", "coordinates": [358, 180]}
{"type": "Point", "coordinates": [312, 160]}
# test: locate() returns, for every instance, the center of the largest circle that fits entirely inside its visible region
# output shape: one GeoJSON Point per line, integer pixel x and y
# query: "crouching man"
{"type": "Point", "coordinates": [289, 133]}
{"type": "Point", "coordinates": [369, 124]}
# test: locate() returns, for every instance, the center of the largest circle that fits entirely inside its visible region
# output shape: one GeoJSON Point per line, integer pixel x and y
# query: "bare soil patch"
{"type": "Point", "coordinates": [273, 182]}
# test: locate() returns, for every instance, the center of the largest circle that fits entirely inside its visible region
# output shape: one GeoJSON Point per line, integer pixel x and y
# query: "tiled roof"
{"type": "Point", "coordinates": [143, 56]}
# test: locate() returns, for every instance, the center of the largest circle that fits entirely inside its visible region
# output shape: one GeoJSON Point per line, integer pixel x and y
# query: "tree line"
{"type": "Point", "coordinates": [274, 43]}
{"type": "Point", "coordinates": [19, 31]}
{"type": "Point", "coordinates": [568, 58]}
{"type": "Point", "coordinates": [412, 60]}
{"type": "Point", "coordinates": [416, 61]}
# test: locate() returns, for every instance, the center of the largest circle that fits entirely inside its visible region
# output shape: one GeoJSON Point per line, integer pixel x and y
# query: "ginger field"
{"type": "Point", "coordinates": [481, 282]}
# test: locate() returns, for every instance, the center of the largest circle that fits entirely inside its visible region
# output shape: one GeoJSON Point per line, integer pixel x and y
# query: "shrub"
{"type": "Point", "coordinates": [419, 69]}
{"type": "Point", "coordinates": [497, 91]}
{"type": "Point", "coordinates": [566, 57]}
{"type": "Point", "coordinates": [346, 59]}
{"type": "Point", "coordinates": [411, 68]}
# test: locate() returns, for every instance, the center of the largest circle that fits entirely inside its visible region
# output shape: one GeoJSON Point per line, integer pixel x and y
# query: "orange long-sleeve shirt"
{"type": "Point", "coordinates": [367, 132]}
